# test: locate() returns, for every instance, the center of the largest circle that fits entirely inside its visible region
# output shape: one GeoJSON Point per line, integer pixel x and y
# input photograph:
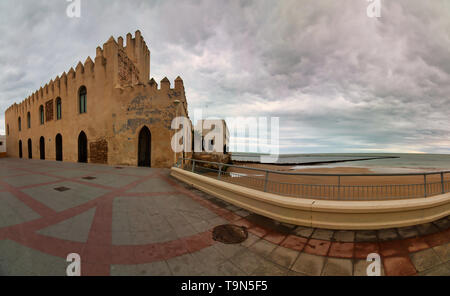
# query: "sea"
{"type": "Point", "coordinates": [377, 162]}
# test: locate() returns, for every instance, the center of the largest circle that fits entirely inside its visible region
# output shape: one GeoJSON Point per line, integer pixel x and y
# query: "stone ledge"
{"type": "Point", "coordinates": [348, 215]}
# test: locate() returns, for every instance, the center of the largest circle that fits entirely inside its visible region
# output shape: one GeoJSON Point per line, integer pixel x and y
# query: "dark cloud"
{"type": "Point", "coordinates": [339, 80]}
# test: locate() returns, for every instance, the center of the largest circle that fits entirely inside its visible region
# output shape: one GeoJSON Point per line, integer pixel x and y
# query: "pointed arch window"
{"type": "Point", "coordinates": [82, 94]}
{"type": "Point", "coordinates": [58, 109]}
{"type": "Point", "coordinates": [20, 124]}
{"type": "Point", "coordinates": [7, 129]}
{"type": "Point", "coordinates": [41, 114]}
{"type": "Point", "coordinates": [28, 120]}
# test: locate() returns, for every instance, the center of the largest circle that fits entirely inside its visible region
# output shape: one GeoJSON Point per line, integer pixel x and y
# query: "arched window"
{"type": "Point", "coordinates": [82, 94]}
{"type": "Point", "coordinates": [41, 114]}
{"type": "Point", "coordinates": [28, 120]}
{"type": "Point", "coordinates": [20, 124]}
{"type": "Point", "coordinates": [7, 129]}
{"type": "Point", "coordinates": [58, 109]}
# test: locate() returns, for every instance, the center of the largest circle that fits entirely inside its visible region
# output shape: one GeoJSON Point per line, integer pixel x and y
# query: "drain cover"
{"type": "Point", "coordinates": [118, 168]}
{"type": "Point", "coordinates": [230, 234]}
{"type": "Point", "coordinates": [62, 189]}
{"type": "Point", "coordinates": [89, 178]}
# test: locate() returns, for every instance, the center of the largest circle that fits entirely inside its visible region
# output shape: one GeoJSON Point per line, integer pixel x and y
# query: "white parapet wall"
{"type": "Point", "coordinates": [349, 215]}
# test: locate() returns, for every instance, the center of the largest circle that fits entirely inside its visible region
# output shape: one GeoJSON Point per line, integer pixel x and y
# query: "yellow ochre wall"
{"type": "Point", "coordinates": [120, 101]}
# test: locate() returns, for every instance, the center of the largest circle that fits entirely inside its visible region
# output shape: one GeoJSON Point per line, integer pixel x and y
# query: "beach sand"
{"type": "Point", "coordinates": [327, 187]}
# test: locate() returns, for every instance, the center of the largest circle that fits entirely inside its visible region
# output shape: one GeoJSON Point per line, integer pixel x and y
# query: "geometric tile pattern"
{"type": "Point", "coordinates": [140, 221]}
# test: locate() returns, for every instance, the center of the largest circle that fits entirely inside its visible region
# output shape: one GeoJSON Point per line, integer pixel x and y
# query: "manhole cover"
{"type": "Point", "coordinates": [89, 178]}
{"type": "Point", "coordinates": [230, 234]}
{"type": "Point", "coordinates": [62, 189]}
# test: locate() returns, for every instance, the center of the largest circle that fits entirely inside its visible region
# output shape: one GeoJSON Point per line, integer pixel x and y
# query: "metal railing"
{"type": "Point", "coordinates": [324, 185]}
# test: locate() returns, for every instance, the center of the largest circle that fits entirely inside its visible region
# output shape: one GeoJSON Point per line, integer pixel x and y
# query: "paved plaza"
{"type": "Point", "coordinates": [140, 221]}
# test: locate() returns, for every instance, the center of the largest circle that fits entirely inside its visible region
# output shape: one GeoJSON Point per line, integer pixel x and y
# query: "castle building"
{"type": "Point", "coordinates": [105, 111]}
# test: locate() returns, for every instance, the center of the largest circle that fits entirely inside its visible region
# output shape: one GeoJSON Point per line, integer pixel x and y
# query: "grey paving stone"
{"type": "Point", "coordinates": [293, 273]}
{"type": "Point", "coordinates": [110, 180]}
{"type": "Point", "coordinates": [242, 213]}
{"type": "Point", "coordinates": [309, 264]}
{"type": "Point", "coordinates": [283, 256]}
{"type": "Point", "coordinates": [228, 269]}
{"type": "Point", "coordinates": [159, 268]}
{"type": "Point", "coordinates": [387, 234]}
{"type": "Point", "coordinates": [209, 258]}
{"type": "Point", "coordinates": [60, 201]}
{"type": "Point", "coordinates": [428, 228]}
{"type": "Point", "coordinates": [338, 267]}
{"type": "Point", "coordinates": [73, 229]}
{"type": "Point", "coordinates": [424, 260]}
{"type": "Point", "coordinates": [29, 180]}
{"type": "Point", "coordinates": [408, 232]}
{"type": "Point", "coordinates": [185, 265]}
{"type": "Point", "coordinates": [267, 268]}
{"type": "Point", "coordinates": [303, 231]}
{"type": "Point", "coordinates": [14, 211]}
{"type": "Point", "coordinates": [27, 261]}
{"type": "Point", "coordinates": [153, 185]}
{"type": "Point", "coordinates": [443, 224]}
{"type": "Point", "coordinates": [250, 240]}
{"type": "Point", "coordinates": [443, 252]}
{"type": "Point", "coordinates": [247, 261]}
{"type": "Point", "coordinates": [262, 248]}
{"type": "Point", "coordinates": [439, 270]}
{"type": "Point", "coordinates": [344, 236]}
{"type": "Point", "coordinates": [323, 234]}
{"type": "Point", "coordinates": [229, 250]}
{"type": "Point", "coordinates": [365, 236]}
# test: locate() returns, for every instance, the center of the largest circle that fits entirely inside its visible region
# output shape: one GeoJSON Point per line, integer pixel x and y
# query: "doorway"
{"type": "Point", "coordinates": [30, 149]}
{"type": "Point", "coordinates": [42, 148]}
{"type": "Point", "coordinates": [58, 148]}
{"type": "Point", "coordinates": [144, 147]}
{"type": "Point", "coordinates": [82, 148]}
{"type": "Point", "coordinates": [20, 149]}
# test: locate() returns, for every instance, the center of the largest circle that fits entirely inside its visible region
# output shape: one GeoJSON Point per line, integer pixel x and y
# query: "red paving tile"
{"type": "Point", "coordinates": [362, 250]}
{"type": "Point", "coordinates": [398, 266]}
{"type": "Point", "coordinates": [244, 222]}
{"type": "Point", "coordinates": [90, 269]}
{"type": "Point", "coordinates": [97, 254]}
{"type": "Point", "coordinates": [198, 241]}
{"type": "Point", "coordinates": [294, 242]}
{"type": "Point", "coordinates": [341, 250]}
{"type": "Point", "coordinates": [416, 244]}
{"type": "Point", "coordinates": [258, 231]}
{"type": "Point", "coordinates": [393, 248]}
{"type": "Point", "coordinates": [437, 239]}
{"type": "Point", "coordinates": [317, 247]}
{"type": "Point", "coordinates": [275, 237]}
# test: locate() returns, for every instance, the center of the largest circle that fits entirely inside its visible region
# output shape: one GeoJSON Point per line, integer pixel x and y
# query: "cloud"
{"type": "Point", "coordinates": [339, 80]}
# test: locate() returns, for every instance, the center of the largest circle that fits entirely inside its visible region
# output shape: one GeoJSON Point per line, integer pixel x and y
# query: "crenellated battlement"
{"type": "Point", "coordinates": [117, 64]}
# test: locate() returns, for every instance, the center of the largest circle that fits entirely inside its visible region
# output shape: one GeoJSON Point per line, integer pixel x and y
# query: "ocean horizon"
{"type": "Point", "coordinates": [376, 161]}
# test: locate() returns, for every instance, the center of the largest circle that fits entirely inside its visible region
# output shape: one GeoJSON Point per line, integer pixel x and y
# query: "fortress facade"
{"type": "Point", "coordinates": [105, 111]}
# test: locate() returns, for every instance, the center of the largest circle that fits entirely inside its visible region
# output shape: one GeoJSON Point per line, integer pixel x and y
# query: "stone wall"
{"type": "Point", "coordinates": [98, 152]}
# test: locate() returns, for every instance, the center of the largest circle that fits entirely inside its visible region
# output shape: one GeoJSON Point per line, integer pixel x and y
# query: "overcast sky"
{"type": "Point", "coordinates": [338, 80]}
